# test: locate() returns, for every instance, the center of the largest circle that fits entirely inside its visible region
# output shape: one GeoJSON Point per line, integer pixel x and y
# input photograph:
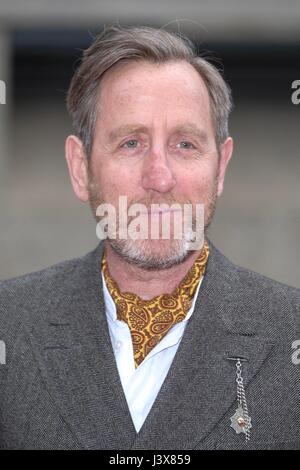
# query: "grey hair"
{"type": "Point", "coordinates": [142, 43]}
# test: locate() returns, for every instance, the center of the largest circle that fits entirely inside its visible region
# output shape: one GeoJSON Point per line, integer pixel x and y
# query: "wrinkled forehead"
{"type": "Point", "coordinates": [141, 87]}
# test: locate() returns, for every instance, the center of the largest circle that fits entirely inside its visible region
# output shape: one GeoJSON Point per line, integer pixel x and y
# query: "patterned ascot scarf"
{"type": "Point", "coordinates": [150, 320]}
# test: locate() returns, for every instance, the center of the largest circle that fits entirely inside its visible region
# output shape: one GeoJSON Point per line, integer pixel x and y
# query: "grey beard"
{"type": "Point", "coordinates": [138, 253]}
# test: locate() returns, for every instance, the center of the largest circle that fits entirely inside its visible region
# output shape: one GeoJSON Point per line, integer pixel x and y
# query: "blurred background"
{"type": "Point", "coordinates": [256, 45]}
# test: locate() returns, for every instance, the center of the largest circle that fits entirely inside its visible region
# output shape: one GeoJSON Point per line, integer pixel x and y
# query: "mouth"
{"type": "Point", "coordinates": [160, 211]}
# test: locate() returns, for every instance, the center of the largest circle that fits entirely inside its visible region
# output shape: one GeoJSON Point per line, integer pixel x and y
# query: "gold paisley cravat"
{"type": "Point", "coordinates": [150, 320]}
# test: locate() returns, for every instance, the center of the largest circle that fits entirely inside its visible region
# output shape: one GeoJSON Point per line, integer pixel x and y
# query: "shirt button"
{"type": "Point", "coordinates": [118, 344]}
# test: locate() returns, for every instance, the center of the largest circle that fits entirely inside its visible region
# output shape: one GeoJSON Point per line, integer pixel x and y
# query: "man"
{"type": "Point", "coordinates": [149, 342]}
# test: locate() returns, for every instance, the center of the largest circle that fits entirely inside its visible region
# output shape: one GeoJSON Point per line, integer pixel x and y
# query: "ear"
{"type": "Point", "coordinates": [77, 166]}
{"type": "Point", "coordinates": [225, 155]}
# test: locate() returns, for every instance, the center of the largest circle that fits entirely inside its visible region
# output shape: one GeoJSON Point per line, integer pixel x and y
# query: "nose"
{"type": "Point", "coordinates": [157, 174]}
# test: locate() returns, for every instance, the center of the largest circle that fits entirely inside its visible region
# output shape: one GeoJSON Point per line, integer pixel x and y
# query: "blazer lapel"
{"type": "Point", "coordinates": [200, 386]}
{"type": "Point", "coordinates": [77, 363]}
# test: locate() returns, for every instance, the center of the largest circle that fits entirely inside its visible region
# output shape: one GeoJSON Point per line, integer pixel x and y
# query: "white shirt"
{"type": "Point", "coordinates": [142, 384]}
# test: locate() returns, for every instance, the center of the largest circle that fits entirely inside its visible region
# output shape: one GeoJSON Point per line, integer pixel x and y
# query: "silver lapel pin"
{"type": "Point", "coordinates": [241, 421]}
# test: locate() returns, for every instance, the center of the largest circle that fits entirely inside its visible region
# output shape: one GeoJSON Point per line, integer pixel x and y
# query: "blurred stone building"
{"type": "Point", "coordinates": [256, 44]}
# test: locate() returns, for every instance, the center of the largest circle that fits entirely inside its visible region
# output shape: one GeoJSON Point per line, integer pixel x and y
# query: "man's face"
{"type": "Point", "coordinates": [154, 142]}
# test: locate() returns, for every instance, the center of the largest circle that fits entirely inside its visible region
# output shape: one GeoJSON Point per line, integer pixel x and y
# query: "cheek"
{"type": "Point", "coordinates": [115, 182]}
{"type": "Point", "coordinates": [197, 185]}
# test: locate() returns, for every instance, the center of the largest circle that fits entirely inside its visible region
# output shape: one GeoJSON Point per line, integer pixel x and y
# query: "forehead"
{"type": "Point", "coordinates": [161, 89]}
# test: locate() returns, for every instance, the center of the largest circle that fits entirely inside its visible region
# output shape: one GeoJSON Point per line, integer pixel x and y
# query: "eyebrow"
{"type": "Point", "coordinates": [126, 129]}
{"type": "Point", "coordinates": [183, 129]}
{"type": "Point", "coordinates": [192, 129]}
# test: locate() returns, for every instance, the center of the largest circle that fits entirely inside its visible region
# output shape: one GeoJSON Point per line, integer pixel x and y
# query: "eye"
{"type": "Point", "coordinates": [131, 144]}
{"type": "Point", "coordinates": [186, 145]}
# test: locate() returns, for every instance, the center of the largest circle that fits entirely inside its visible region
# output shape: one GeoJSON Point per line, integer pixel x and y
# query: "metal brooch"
{"type": "Point", "coordinates": [241, 421]}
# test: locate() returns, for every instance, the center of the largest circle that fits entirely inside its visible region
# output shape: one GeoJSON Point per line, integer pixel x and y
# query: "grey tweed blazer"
{"type": "Point", "coordinates": [60, 388]}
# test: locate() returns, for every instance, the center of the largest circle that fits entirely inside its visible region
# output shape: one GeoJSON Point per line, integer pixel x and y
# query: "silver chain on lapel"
{"type": "Point", "coordinates": [241, 421]}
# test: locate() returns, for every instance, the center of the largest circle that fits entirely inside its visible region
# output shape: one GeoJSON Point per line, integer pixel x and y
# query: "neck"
{"type": "Point", "coordinates": [146, 284]}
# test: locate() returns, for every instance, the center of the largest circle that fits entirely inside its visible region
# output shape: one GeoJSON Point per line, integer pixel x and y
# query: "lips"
{"type": "Point", "coordinates": [160, 211]}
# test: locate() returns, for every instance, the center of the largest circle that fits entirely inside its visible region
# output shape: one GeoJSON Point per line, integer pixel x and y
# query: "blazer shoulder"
{"type": "Point", "coordinates": [258, 292]}
{"type": "Point", "coordinates": [252, 279]}
{"type": "Point", "coordinates": [20, 296]}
